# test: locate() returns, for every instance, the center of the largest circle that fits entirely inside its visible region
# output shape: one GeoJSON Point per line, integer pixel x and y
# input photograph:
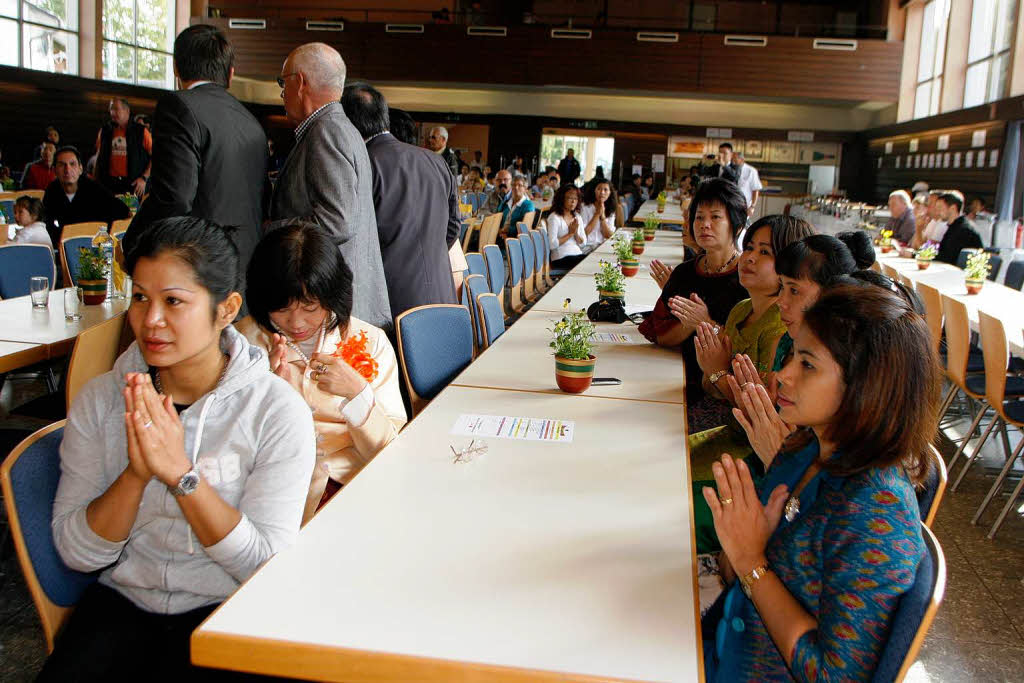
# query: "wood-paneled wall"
{"type": "Point", "coordinates": [613, 59]}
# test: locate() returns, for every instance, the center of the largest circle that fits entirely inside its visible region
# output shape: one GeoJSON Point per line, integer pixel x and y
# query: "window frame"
{"type": "Point", "coordinates": [134, 46]}
{"type": "Point", "coordinates": [936, 79]}
{"type": "Point", "coordinates": [21, 22]}
{"type": "Point", "coordinates": [993, 55]}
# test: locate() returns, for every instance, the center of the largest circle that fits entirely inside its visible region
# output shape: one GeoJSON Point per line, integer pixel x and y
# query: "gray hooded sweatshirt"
{"type": "Point", "coordinates": [251, 438]}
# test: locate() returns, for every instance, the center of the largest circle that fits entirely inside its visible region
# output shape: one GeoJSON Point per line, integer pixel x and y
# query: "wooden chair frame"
{"type": "Point", "coordinates": [516, 305]}
{"type": "Point", "coordinates": [940, 490]}
{"type": "Point", "coordinates": [489, 230]}
{"type": "Point", "coordinates": [120, 227]}
{"type": "Point", "coordinates": [417, 402]}
{"type": "Point", "coordinates": [957, 352]}
{"type": "Point", "coordinates": [478, 330]}
{"type": "Point", "coordinates": [94, 353]}
{"type": "Point", "coordinates": [938, 592]}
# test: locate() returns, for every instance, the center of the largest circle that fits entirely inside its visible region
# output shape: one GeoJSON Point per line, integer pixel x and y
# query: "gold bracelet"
{"type": "Point", "coordinates": [717, 376]}
{"type": "Point", "coordinates": [748, 580]}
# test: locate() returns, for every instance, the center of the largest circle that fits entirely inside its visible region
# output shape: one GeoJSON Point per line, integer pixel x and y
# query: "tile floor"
{"type": "Point", "coordinates": [978, 634]}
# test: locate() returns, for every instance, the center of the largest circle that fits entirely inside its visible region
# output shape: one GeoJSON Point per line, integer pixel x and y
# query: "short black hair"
{"type": "Point", "coordinates": [859, 244]}
{"type": "Point", "coordinates": [822, 259]}
{"type": "Point", "coordinates": [298, 262]}
{"type": "Point", "coordinates": [203, 53]}
{"type": "Point", "coordinates": [726, 192]}
{"type": "Point", "coordinates": [952, 199]}
{"type": "Point", "coordinates": [726, 145]}
{"type": "Point", "coordinates": [402, 125]}
{"type": "Point", "coordinates": [366, 108]}
{"type": "Point", "coordinates": [66, 149]}
{"type": "Point", "coordinates": [205, 246]}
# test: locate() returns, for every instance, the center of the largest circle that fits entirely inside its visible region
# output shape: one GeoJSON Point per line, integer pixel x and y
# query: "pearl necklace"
{"type": "Point", "coordinates": [159, 385]}
{"type": "Point", "coordinates": [295, 347]}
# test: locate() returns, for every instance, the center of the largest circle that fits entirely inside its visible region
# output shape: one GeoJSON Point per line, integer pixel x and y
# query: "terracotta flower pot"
{"type": "Point", "coordinates": [661, 207]}
{"type": "Point", "coordinates": [638, 248]}
{"type": "Point", "coordinates": [574, 376]}
{"type": "Point", "coordinates": [649, 234]}
{"type": "Point", "coordinates": [886, 248]}
{"type": "Point", "coordinates": [974, 286]}
{"type": "Point", "coordinates": [923, 264]}
{"type": "Point", "coordinates": [93, 291]}
{"type": "Point", "coordinates": [605, 295]}
{"type": "Point", "coordinates": [630, 267]}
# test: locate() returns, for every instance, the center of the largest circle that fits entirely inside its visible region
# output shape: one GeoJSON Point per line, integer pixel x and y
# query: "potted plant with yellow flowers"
{"type": "Point", "coordinates": [92, 275]}
{"type": "Point", "coordinates": [976, 271]}
{"type": "Point", "coordinates": [885, 241]}
{"type": "Point", "coordinates": [623, 246]}
{"type": "Point", "coordinates": [925, 255]}
{"type": "Point", "coordinates": [610, 282]}
{"type": "Point", "coordinates": [662, 199]}
{"type": "Point", "coordinates": [574, 358]}
{"type": "Point", "coordinates": [650, 225]}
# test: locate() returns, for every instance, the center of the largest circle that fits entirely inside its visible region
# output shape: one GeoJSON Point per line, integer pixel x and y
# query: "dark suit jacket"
{"type": "Point", "coordinates": [414, 197]}
{"type": "Point", "coordinates": [959, 235]}
{"type": "Point", "coordinates": [728, 172]}
{"type": "Point", "coordinates": [92, 202]}
{"type": "Point", "coordinates": [209, 161]}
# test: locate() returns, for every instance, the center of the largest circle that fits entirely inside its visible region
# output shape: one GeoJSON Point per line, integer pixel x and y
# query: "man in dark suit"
{"type": "Point", "coordinates": [724, 168]}
{"type": "Point", "coordinates": [209, 152]}
{"type": "Point", "coordinates": [414, 197]}
{"type": "Point", "coordinates": [77, 198]}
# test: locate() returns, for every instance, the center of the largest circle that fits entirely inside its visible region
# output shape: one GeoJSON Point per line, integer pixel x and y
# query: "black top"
{"type": "Point", "coordinates": [568, 170]}
{"type": "Point", "coordinates": [92, 202]}
{"type": "Point", "coordinates": [959, 235]}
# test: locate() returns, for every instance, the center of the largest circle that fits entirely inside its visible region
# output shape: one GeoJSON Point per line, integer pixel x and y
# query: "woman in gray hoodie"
{"type": "Point", "coordinates": [182, 470]}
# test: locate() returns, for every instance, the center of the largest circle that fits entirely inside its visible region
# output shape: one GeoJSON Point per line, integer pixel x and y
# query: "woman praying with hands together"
{"type": "Point", "coordinates": [565, 228]}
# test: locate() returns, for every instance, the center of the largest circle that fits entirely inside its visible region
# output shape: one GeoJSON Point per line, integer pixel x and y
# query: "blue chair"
{"type": "Point", "coordinates": [529, 266]}
{"type": "Point", "coordinates": [29, 478]}
{"type": "Point", "coordinates": [474, 200]}
{"type": "Point", "coordinates": [7, 208]}
{"type": "Point", "coordinates": [515, 275]}
{"type": "Point", "coordinates": [914, 613]}
{"type": "Point", "coordinates": [540, 253]}
{"type": "Point", "coordinates": [19, 262]}
{"type": "Point", "coordinates": [69, 254]}
{"type": "Point", "coordinates": [492, 318]}
{"type": "Point", "coordinates": [481, 198]}
{"type": "Point", "coordinates": [474, 286]}
{"type": "Point", "coordinates": [522, 229]}
{"type": "Point", "coordinates": [495, 268]}
{"type": "Point", "coordinates": [463, 229]}
{"type": "Point", "coordinates": [1015, 275]}
{"type": "Point", "coordinates": [435, 343]}
{"type": "Point", "coordinates": [475, 261]}
{"type": "Point", "coordinates": [933, 487]}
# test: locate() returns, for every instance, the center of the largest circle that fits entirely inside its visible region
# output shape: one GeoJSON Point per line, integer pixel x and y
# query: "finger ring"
{"type": "Point", "coordinates": [315, 376]}
{"type": "Point", "coordinates": [321, 368]}
{"type": "Point", "coordinates": [746, 384]}
{"type": "Point", "coordinates": [725, 501]}
{"type": "Point", "coordinates": [148, 425]}
{"type": "Point", "coordinates": [714, 329]}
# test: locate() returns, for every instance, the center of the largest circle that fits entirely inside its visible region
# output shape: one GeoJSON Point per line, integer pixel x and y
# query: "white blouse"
{"type": "Point", "coordinates": [557, 229]}
{"type": "Point", "coordinates": [594, 236]}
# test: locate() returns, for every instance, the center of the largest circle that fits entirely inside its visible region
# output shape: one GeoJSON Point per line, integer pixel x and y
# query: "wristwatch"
{"type": "Point", "coordinates": [747, 580]}
{"type": "Point", "coordinates": [188, 483]}
{"type": "Point", "coordinates": [717, 376]}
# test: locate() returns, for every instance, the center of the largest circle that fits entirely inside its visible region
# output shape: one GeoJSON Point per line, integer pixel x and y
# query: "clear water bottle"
{"type": "Point", "coordinates": [106, 245]}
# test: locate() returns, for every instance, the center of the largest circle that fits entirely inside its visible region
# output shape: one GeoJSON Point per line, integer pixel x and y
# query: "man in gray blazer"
{"type": "Point", "coordinates": [414, 195]}
{"type": "Point", "coordinates": [327, 176]}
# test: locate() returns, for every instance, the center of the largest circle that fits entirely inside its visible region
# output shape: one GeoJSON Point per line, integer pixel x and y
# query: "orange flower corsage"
{"type": "Point", "coordinates": [353, 351]}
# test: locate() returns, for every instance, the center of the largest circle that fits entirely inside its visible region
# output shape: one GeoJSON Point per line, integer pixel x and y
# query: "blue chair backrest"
{"type": "Point", "coordinates": [522, 229]}
{"type": "Point", "coordinates": [19, 262]}
{"type": "Point", "coordinates": [436, 344]}
{"type": "Point", "coordinates": [1015, 274]}
{"type": "Point", "coordinates": [476, 286]}
{"type": "Point", "coordinates": [912, 608]}
{"type": "Point", "coordinates": [493, 318]}
{"type": "Point", "coordinates": [474, 200]}
{"type": "Point", "coordinates": [995, 262]}
{"type": "Point", "coordinates": [961, 259]}
{"type": "Point", "coordinates": [495, 268]}
{"type": "Point", "coordinates": [475, 260]}
{"type": "Point", "coordinates": [462, 231]}
{"type": "Point", "coordinates": [34, 478]}
{"type": "Point", "coordinates": [71, 253]}
{"type": "Point", "coordinates": [540, 242]}
{"type": "Point", "coordinates": [7, 208]}
{"type": "Point", "coordinates": [481, 198]}
{"type": "Point", "coordinates": [515, 260]}
{"type": "Point", "coordinates": [529, 255]}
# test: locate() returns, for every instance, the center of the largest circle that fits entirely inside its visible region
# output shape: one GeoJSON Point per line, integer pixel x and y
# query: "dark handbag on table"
{"type": "Point", "coordinates": [607, 311]}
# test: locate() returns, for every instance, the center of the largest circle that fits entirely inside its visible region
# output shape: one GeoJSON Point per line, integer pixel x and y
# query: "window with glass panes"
{"type": "Point", "coordinates": [988, 55]}
{"type": "Point", "coordinates": [138, 41]}
{"type": "Point", "coordinates": [41, 35]}
{"type": "Point", "coordinates": [931, 58]}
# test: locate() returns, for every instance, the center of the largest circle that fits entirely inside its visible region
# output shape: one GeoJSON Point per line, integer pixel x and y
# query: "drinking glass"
{"type": "Point", "coordinates": [39, 288]}
{"type": "Point", "coordinates": [126, 289]}
{"type": "Point", "coordinates": [72, 297]}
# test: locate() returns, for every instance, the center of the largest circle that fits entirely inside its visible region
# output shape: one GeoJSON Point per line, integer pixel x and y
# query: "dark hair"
{"type": "Point", "coordinates": [726, 192]}
{"type": "Point", "coordinates": [298, 262]}
{"type": "Point", "coordinates": [123, 101]}
{"type": "Point", "coordinates": [366, 108]}
{"type": "Point", "coordinates": [951, 199]}
{"type": "Point", "coordinates": [726, 145]}
{"type": "Point", "coordinates": [31, 204]}
{"type": "Point", "coordinates": [205, 246]}
{"type": "Point", "coordinates": [558, 201]}
{"type": "Point", "coordinates": [203, 53]}
{"type": "Point", "coordinates": [822, 259]}
{"type": "Point", "coordinates": [402, 125]}
{"type": "Point", "coordinates": [888, 414]}
{"type": "Point", "coordinates": [784, 231]}
{"type": "Point", "coordinates": [590, 195]}
{"type": "Point", "coordinates": [66, 149]}
{"type": "Point", "coordinates": [873, 277]}
{"type": "Point", "coordinates": [859, 244]}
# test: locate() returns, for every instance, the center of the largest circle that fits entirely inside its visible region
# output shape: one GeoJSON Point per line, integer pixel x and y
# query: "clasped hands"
{"type": "Point", "coordinates": [330, 373]}
{"type": "Point", "coordinates": [154, 433]}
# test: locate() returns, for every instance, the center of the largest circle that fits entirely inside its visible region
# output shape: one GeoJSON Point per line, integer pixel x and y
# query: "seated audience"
{"type": "Point", "coordinates": [565, 228]}
{"type": "Point", "coordinates": [960, 234]}
{"type": "Point", "coordinates": [463, 175]}
{"type": "Point", "coordinates": [299, 292]}
{"type": "Point", "coordinates": [902, 221]}
{"type": "Point", "coordinates": [598, 212]}
{"type": "Point", "coordinates": [28, 226]}
{"type": "Point", "coordinates": [76, 198]}
{"type": "Point", "coordinates": [830, 540]}
{"type": "Point", "coordinates": [513, 209]}
{"type": "Point", "coordinates": [472, 182]}
{"type": "Point", "coordinates": [39, 174]}
{"type": "Point", "coordinates": [702, 289]}
{"type": "Point", "coordinates": [183, 469]}
{"type": "Point", "coordinates": [935, 229]}
{"type": "Point", "coordinates": [500, 192]}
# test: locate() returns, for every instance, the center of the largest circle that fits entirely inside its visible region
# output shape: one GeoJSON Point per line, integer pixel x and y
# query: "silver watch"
{"type": "Point", "coordinates": [188, 483]}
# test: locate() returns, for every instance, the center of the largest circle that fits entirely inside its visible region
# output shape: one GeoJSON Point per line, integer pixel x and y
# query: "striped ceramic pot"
{"type": "Point", "coordinates": [630, 267]}
{"type": "Point", "coordinates": [574, 376]}
{"type": "Point", "coordinates": [638, 248]}
{"type": "Point", "coordinates": [93, 291]}
{"type": "Point", "coordinates": [649, 234]}
{"type": "Point", "coordinates": [604, 295]}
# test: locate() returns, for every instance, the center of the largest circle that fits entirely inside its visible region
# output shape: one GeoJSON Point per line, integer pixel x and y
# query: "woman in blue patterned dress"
{"type": "Point", "coordinates": [825, 550]}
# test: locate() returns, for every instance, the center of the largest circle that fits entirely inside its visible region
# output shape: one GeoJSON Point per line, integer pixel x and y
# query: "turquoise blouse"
{"type": "Point", "coordinates": [516, 214]}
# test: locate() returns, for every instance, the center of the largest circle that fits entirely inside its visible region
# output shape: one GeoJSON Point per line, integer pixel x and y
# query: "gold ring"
{"type": "Point", "coordinates": [322, 368]}
{"type": "Point", "coordinates": [315, 376]}
{"type": "Point", "coordinates": [725, 501]}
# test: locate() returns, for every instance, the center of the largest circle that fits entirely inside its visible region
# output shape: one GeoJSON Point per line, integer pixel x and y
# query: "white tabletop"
{"type": "Point", "coordinates": [673, 212]}
{"type": "Point", "coordinates": [641, 291]}
{"type": "Point", "coordinates": [22, 323]}
{"type": "Point", "coordinates": [565, 559]}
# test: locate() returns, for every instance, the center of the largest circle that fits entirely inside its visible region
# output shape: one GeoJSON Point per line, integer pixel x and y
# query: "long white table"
{"type": "Point", "coordinates": [534, 560]}
{"type": "Point", "coordinates": [19, 322]}
{"type": "Point", "coordinates": [673, 212]}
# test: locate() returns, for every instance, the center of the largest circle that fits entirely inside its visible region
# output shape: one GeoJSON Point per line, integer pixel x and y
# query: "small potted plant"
{"type": "Point", "coordinates": [574, 360]}
{"type": "Point", "coordinates": [662, 198]}
{"type": "Point", "coordinates": [610, 282]}
{"type": "Point", "coordinates": [92, 275]}
{"type": "Point", "coordinates": [623, 245]}
{"type": "Point", "coordinates": [925, 255]}
{"type": "Point", "coordinates": [885, 241]}
{"type": "Point", "coordinates": [976, 271]}
{"type": "Point", "coordinates": [650, 225]}
{"type": "Point", "coordinates": [638, 242]}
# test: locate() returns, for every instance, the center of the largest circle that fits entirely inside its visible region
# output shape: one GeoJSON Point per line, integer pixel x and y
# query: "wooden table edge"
{"type": "Point", "coordinates": [19, 359]}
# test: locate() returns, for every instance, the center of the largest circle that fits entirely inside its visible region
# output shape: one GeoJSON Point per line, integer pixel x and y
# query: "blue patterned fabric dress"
{"type": "Point", "coordinates": [847, 557]}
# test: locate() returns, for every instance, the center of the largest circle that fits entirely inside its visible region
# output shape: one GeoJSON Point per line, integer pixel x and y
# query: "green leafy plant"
{"type": "Point", "coordinates": [927, 253]}
{"type": "Point", "coordinates": [662, 196]}
{"type": "Point", "coordinates": [91, 264]}
{"type": "Point", "coordinates": [609, 278]}
{"type": "Point", "coordinates": [572, 335]}
{"type": "Point", "coordinates": [651, 221]}
{"type": "Point", "coordinates": [977, 266]}
{"type": "Point", "coordinates": [622, 244]}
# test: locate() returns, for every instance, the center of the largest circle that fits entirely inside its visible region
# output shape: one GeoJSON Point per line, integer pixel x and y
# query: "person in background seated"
{"type": "Point", "coordinates": [565, 228]}
{"type": "Point", "coordinates": [935, 229]}
{"type": "Point", "coordinates": [514, 209]}
{"type": "Point", "coordinates": [919, 205]}
{"type": "Point", "coordinates": [74, 198]}
{"type": "Point", "coordinates": [500, 194]}
{"type": "Point", "coordinates": [537, 191]}
{"type": "Point", "coordinates": [183, 469]}
{"type": "Point", "coordinates": [976, 207]}
{"type": "Point", "coordinates": [7, 183]}
{"type": "Point", "coordinates": [473, 183]}
{"type": "Point", "coordinates": [463, 176]}
{"type": "Point", "coordinates": [960, 234]}
{"type": "Point", "coordinates": [39, 174]}
{"type": "Point", "coordinates": [816, 558]}
{"type": "Point", "coordinates": [300, 300]}
{"type": "Point", "coordinates": [28, 226]}
{"type": "Point", "coordinates": [706, 288]}
{"type": "Point", "coordinates": [598, 212]}
{"type": "Point", "coordinates": [902, 221]}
